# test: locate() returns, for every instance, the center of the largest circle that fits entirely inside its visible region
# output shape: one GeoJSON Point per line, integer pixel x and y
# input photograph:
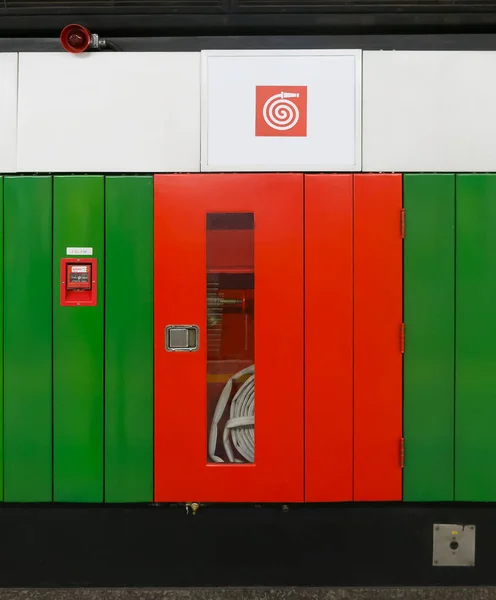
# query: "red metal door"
{"type": "Point", "coordinates": [328, 338]}
{"type": "Point", "coordinates": [378, 359]}
{"type": "Point", "coordinates": [229, 261]}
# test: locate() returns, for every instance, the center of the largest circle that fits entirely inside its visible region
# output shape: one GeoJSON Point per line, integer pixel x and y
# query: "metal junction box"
{"type": "Point", "coordinates": [453, 545]}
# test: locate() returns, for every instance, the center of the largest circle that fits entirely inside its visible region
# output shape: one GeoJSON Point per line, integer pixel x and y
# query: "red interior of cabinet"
{"type": "Point", "coordinates": [377, 337]}
{"type": "Point", "coordinates": [230, 250]}
{"type": "Point", "coordinates": [206, 255]}
{"type": "Point", "coordinates": [328, 338]}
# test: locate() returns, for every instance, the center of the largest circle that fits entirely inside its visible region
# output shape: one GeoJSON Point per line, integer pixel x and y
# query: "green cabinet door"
{"type": "Point", "coordinates": [129, 339]}
{"type": "Point", "coordinates": [28, 339]}
{"type": "Point", "coordinates": [78, 412]}
{"type": "Point", "coordinates": [429, 315]}
{"type": "Point", "coordinates": [475, 382]}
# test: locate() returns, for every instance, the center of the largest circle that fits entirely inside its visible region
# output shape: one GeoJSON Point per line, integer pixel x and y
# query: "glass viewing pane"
{"type": "Point", "coordinates": [230, 338]}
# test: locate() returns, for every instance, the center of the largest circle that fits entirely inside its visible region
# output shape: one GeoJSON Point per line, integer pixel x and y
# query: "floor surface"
{"type": "Point", "coordinates": [439, 593]}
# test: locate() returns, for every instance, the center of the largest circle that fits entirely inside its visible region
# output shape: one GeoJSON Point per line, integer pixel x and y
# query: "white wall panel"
{"type": "Point", "coordinates": [429, 111]}
{"type": "Point", "coordinates": [109, 112]}
{"type": "Point", "coordinates": [8, 112]}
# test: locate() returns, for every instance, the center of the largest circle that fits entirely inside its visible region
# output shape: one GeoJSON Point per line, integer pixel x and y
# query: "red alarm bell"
{"type": "Point", "coordinates": [75, 38]}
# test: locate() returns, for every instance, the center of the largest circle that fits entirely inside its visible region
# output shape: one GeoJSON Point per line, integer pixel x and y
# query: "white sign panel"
{"type": "Point", "coordinates": [78, 251]}
{"type": "Point", "coordinates": [281, 110]}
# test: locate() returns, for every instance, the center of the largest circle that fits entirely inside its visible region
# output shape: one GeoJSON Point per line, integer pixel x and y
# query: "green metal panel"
{"type": "Point", "coordinates": [475, 404]}
{"type": "Point", "coordinates": [129, 340]}
{"type": "Point", "coordinates": [78, 221]}
{"type": "Point", "coordinates": [429, 314]}
{"type": "Point", "coordinates": [28, 339]}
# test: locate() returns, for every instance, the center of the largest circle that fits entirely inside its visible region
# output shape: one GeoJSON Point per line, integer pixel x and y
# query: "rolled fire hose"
{"type": "Point", "coordinates": [239, 430]}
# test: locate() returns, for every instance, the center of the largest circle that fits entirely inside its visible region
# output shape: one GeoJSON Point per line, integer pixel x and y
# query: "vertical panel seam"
{"type": "Point", "coordinates": [455, 182]}
{"type": "Point", "coordinates": [104, 342]}
{"type": "Point", "coordinates": [304, 206]}
{"type": "Point", "coordinates": [405, 178]}
{"type": "Point", "coordinates": [53, 300]}
{"type": "Point", "coordinates": [153, 336]}
{"type": "Point", "coordinates": [403, 320]}
{"type": "Point", "coordinates": [353, 179]}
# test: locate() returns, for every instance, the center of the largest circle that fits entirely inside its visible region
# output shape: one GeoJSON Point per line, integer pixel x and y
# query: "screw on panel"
{"type": "Point", "coordinates": [193, 506]}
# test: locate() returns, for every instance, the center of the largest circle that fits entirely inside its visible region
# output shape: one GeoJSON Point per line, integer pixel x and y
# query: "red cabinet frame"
{"type": "Point", "coordinates": [182, 473]}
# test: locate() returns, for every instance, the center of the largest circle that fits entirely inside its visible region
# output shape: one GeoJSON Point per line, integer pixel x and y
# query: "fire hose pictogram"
{"type": "Point", "coordinates": [280, 113]}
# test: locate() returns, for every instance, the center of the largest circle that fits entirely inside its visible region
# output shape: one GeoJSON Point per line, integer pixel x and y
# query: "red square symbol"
{"type": "Point", "coordinates": [281, 111]}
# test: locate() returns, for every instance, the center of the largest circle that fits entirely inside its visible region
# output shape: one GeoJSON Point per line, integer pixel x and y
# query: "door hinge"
{"type": "Point", "coordinates": [402, 338]}
{"type": "Point", "coordinates": [402, 453]}
{"type": "Point", "coordinates": [402, 217]}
